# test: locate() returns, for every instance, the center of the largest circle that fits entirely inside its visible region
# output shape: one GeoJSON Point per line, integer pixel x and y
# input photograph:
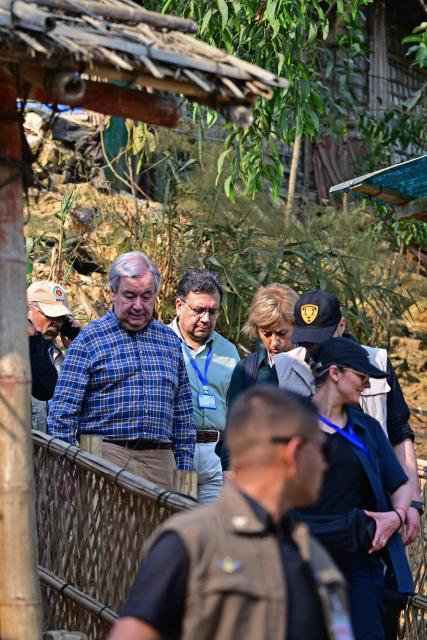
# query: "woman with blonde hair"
{"type": "Point", "coordinates": [271, 320]}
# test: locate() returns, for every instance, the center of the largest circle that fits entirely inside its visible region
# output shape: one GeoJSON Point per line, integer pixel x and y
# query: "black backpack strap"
{"type": "Point", "coordinates": [250, 368]}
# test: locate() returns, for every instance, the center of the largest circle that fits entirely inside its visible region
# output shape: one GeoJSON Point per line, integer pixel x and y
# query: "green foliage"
{"type": "Point", "coordinates": [418, 40]}
{"type": "Point", "coordinates": [287, 38]}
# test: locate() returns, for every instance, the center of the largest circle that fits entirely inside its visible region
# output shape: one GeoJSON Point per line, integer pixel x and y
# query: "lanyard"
{"type": "Point", "coordinates": [203, 377]}
{"type": "Point", "coordinates": [347, 435]}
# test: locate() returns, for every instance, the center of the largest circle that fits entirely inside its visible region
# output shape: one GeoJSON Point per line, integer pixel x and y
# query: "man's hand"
{"type": "Point", "coordinates": [387, 523]}
{"type": "Point", "coordinates": [31, 328]}
{"type": "Point", "coordinates": [70, 329]}
{"type": "Point", "coordinates": [412, 529]}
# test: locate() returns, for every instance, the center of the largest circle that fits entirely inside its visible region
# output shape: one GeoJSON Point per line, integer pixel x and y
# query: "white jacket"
{"type": "Point", "coordinates": [294, 374]}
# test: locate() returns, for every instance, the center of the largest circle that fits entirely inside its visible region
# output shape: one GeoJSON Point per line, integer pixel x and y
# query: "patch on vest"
{"type": "Point", "coordinates": [309, 312]}
{"type": "Point", "coordinates": [228, 565]}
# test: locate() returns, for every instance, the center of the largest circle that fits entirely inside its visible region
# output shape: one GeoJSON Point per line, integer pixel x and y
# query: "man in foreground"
{"type": "Point", "coordinates": [239, 568]}
{"type": "Point", "coordinates": [210, 360]}
{"type": "Point", "coordinates": [318, 318]}
{"type": "Point", "coordinates": [124, 380]}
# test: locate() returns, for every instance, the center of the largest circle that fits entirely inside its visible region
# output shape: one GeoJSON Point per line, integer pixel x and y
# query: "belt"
{"type": "Point", "coordinates": [140, 445]}
{"type": "Point", "coordinates": [208, 436]}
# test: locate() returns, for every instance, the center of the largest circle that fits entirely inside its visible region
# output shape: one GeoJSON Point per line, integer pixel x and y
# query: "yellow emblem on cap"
{"type": "Point", "coordinates": [309, 312]}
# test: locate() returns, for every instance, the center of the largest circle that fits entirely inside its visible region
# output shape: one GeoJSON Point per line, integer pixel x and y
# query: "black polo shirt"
{"type": "Point", "coordinates": [159, 592]}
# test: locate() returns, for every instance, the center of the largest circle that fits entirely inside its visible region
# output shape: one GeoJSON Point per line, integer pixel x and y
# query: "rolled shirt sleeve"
{"type": "Point", "coordinates": [398, 413]}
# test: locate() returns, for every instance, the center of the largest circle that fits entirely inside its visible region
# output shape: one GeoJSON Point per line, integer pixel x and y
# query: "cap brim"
{"type": "Point", "coordinates": [318, 335]}
{"type": "Point", "coordinates": [370, 370]}
{"type": "Point", "coordinates": [54, 310]}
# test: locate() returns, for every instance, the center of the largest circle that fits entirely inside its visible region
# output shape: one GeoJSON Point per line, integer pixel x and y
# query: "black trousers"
{"type": "Point", "coordinates": [365, 577]}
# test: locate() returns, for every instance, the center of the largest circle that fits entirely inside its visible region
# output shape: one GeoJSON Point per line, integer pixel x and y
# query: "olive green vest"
{"type": "Point", "coordinates": [236, 585]}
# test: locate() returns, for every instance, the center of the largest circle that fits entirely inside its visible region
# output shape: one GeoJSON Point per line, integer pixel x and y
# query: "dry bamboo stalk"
{"type": "Point", "coordinates": [121, 13]}
{"type": "Point", "coordinates": [20, 602]}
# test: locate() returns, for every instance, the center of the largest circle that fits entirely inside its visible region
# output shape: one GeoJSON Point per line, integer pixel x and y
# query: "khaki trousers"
{"type": "Point", "coordinates": [155, 465]}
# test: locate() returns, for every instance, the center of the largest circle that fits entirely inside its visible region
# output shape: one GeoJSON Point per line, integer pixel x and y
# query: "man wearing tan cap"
{"type": "Point", "coordinates": [48, 317]}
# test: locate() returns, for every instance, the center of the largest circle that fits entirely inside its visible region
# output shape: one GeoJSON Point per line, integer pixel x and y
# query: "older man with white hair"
{"type": "Point", "coordinates": [124, 379]}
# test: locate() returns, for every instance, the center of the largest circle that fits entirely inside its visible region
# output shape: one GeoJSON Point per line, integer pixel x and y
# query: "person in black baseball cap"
{"type": "Point", "coordinates": [364, 485]}
{"type": "Point", "coordinates": [347, 354]}
{"type": "Point", "coordinates": [317, 317]}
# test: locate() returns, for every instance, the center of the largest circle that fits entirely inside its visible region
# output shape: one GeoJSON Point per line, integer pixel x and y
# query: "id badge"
{"type": "Point", "coordinates": [207, 401]}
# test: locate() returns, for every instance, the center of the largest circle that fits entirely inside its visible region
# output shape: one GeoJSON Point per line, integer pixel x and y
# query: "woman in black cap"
{"type": "Point", "coordinates": [363, 502]}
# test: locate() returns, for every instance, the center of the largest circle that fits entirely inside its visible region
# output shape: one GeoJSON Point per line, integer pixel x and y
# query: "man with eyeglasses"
{"type": "Point", "coordinates": [48, 318]}
{"type": "Point", "coordinates": [241, 568]}
{"type": "Point", "coordinates": [210, 360]}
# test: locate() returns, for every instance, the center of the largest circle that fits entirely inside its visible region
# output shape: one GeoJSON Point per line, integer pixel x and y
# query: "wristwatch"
{"type": "Point", "coordinates": [418, 505]}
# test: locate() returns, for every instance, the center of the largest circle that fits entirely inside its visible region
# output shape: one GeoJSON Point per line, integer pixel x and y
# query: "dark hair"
{"type": "Point", "coordinates": [199, 281]}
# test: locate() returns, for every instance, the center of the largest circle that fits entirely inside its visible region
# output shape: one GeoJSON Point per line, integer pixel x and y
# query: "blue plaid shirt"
{"type": "Point", "coordinates": [124, 386]}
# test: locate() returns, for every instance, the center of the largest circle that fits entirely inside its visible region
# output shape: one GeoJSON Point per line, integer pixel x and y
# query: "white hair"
{"type": "Point", "coordinates": [132, 264]}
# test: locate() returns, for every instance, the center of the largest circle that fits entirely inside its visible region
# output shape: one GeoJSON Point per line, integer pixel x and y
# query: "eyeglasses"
{"type": "Point", "coordinates": [323, 444]}
{"type": "Point", "coordinates": [364, 378]}
{"type": "Point", "coordinates": [201, 311]}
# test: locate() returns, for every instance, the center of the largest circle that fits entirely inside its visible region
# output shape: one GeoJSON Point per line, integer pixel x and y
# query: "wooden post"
{"type": "Point", "coordinates": [20, 602]}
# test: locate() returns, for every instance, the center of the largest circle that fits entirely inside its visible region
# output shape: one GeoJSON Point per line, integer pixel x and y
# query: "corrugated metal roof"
{"type": "Point", "coordinates": [402, 185]}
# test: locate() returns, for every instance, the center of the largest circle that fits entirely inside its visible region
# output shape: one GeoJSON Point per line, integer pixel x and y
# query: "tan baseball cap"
{"type": "Point", "coordinates": [50, 297]}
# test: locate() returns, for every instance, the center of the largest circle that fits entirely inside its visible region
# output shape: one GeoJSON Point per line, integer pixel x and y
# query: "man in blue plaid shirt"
{"type": "Point", "coordinates": [124, 379]}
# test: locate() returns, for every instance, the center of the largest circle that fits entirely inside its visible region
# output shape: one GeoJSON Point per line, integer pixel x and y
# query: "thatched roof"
{"type": "Point", "coordinates": [110, 40]}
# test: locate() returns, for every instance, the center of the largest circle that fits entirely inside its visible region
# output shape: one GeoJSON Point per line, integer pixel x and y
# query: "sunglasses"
{"type": "Point", "coordinates": [324, 445]}
{"type": "Point", "coordinates": [364, 378]}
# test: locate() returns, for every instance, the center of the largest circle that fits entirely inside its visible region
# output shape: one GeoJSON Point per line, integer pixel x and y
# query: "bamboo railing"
{"type": "Point", "coordinates": [414, 621]}
{"type": "Point", "coordinates": [93, 520]}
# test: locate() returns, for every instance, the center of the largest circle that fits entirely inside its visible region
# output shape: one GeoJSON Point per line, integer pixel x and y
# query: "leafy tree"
{"type": "Point", "coordinates": [287, 38]}
{"type": "Point", "coordinates": [418, 40]}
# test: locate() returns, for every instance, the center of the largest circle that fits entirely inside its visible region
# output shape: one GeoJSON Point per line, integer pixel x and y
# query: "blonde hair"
{"type": "Point", "coordinates": [270, 305]}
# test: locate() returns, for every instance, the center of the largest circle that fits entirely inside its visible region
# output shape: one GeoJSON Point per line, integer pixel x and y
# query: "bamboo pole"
{"type": "Point", "coordinates": [20, 602]}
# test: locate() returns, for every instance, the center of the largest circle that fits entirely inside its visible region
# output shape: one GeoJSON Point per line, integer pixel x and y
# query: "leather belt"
{"type": "Point", "coordinates": [208, 436]}
{"type": "Point", "coordinates": [140, 445]}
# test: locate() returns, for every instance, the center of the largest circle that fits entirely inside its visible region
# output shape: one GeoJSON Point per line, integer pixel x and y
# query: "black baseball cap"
{"type": "Point", "coordinates": [345, 352]}
{"type": "Point", "coordinates": [317, 314]}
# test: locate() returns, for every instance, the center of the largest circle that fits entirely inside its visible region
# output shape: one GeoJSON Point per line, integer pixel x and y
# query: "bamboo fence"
{"type": "Point", "coordinates": [93, 520]}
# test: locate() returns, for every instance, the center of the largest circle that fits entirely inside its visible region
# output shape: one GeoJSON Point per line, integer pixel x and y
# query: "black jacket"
{"type": "Point", "coordinates": [43, 372]}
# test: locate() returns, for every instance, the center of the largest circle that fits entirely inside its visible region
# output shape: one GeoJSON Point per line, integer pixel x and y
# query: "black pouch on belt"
{"type": "Point", "coordinates": [342, 533]}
